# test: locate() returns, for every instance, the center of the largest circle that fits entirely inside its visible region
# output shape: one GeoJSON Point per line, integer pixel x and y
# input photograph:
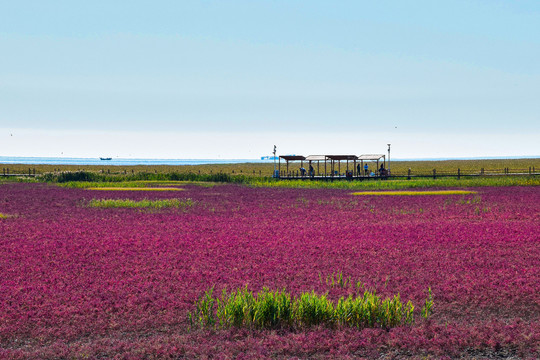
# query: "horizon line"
{"type": "Point", "coordinates": [514, 157]}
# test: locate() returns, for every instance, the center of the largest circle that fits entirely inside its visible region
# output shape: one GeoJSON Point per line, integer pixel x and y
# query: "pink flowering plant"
{"type": "Point", "coordinates": [80, 281]}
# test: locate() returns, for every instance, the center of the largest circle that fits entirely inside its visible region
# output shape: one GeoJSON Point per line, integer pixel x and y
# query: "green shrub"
{"type": "Point", "coordinates": [70, 176]}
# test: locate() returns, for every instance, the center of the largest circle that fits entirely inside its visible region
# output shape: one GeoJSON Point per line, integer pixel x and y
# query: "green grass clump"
{"type": "Point", "coordinates": [271, 309]}
{"type": "Point", "coordinates": [2, 216]}
{"type": "Point", "coordinates": [267, 309]}
{"type": "Point", "coordinates": [152, 204]}
{"type": "Point", "coordinates": [134, 188]}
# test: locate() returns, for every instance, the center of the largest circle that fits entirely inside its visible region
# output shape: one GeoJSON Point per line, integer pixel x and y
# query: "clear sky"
{"type": "Point", "coordinates": [229, 79]}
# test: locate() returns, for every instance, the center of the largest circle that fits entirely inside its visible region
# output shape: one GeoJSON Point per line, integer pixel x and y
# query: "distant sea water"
{"type": "Point", "coordinates": [118, 161]}
{"type": "Point", "coordinates": [126, 162]}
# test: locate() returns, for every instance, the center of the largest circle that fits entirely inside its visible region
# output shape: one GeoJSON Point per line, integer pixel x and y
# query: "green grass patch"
{"type": "Point", "coordinates": [416, 193]}
{"type": "Point", "coordinates": [117, 188]}
{"type": "Point", "coordinates": [132, 184]}
{"type": "Point", "coordinates": [415, 183]}
{"type": "Point", "coordinates": [151, 204]}
{"type": "Point", "coordinates": [107, 184]}
{"type": "Point", "coordinates": [271, 309]}
{"type": "Point", "coordinates": [3, 216]}
{"type": "Point", "coordinates": [145, 179]}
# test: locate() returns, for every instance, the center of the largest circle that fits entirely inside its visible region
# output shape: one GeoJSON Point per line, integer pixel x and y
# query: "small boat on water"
{"type": "Point", "coordinates": [102, 158]}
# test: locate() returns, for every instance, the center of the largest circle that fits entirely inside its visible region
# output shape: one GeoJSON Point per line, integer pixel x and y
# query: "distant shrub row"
{"type": "Point", "coordinates": [173, 176]}
{"type": "Point", "coordinates": [256, 181]}
{"type": "Point", "coordinates": [278, 309]}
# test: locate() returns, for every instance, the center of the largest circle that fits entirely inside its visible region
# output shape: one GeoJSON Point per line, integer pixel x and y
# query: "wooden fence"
{"type": "Point", "coordinates": [284, 175]}
{"type": "Point", "coordinates": [410, 174]}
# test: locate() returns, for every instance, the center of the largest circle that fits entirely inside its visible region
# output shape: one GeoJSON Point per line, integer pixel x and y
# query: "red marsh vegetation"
{"type": "Point", "coordinates": [89, 281]}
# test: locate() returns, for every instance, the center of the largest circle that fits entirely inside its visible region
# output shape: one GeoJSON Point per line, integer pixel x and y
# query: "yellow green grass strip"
{"type": "Point", "coordinates": [145, 203]}
{"type": "Point", "coordinates": [415, 193]}
{"type": "Point", "coordinates": [3, 216]}
{"type": "Point", "coordinates": [130, 184]}
{"type": "Point", "coordinates": [135, 188]}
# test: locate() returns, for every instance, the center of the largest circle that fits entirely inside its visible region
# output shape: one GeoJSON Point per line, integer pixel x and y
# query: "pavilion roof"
{"type": "Point", "coordinates": [292, 157]}
{"type": "Point", "coordinates": [371, 156]}
{"type": "Point", "coordinates": [316, 157]}
{"type": "Point", "coordinates": [332, 157]}
{"type": "Point", "coordinates": [342, 157]}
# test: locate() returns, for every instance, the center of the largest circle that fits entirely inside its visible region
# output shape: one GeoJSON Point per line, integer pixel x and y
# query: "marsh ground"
{"type": "Point", "coordinates": [98, 282]}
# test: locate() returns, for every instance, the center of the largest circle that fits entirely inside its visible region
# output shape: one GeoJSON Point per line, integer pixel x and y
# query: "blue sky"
{"type": "Point", "coordinates": [229, 79]}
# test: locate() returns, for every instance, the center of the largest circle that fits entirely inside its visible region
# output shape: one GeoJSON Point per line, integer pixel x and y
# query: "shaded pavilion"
{"type": "Point", "coordinates": [372, 157]}
{"type": "Point", "coordinates": [289, 158]}
{"type": "Point", "coordinates": [318, 159]}
{"type": "Point", "coordinates": [339, 159]}
{"type": "Point", "coordinates": [332, 164]}
{"type": "Point", "coordinates": [332, 160]}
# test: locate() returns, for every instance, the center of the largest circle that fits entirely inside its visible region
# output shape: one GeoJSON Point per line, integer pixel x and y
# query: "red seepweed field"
{"type": "Point", "coordinates": [80, 281]}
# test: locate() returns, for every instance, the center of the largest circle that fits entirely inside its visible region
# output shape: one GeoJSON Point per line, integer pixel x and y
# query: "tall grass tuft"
{"type": "Point", "coordinates": [271, 309]}
{"type": "Point", "coordinates": [265, 310]}
{"type": "Point", "coordinates": [311, 309]}
{"type": "Point", "coordinates": [338, 280]}
{"type": "Point", "coordinates": [205, 309]}
{"type": "Point", "coordinates": [428, 305]}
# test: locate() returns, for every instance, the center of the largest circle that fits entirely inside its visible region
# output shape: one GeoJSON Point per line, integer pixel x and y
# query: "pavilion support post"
{"type": "Point", "coordinates": [354, 169]}
{"type": "Point", "coordinates": [279, 166]}
{"type": "Point", "coordinates": [318, 163]}
{"type": "Point", "coordinates": [325, 167]}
